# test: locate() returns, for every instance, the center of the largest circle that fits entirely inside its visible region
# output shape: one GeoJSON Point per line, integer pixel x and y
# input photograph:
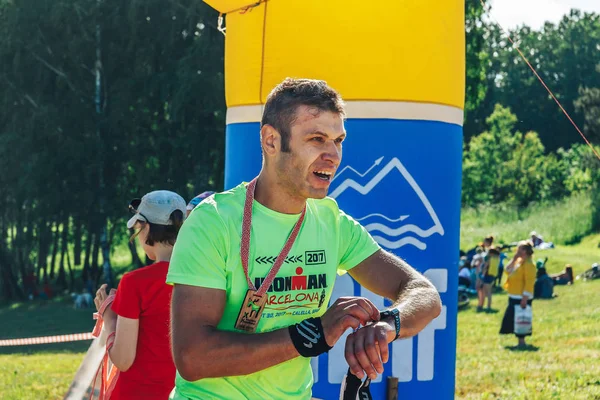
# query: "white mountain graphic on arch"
{"type": "Point", "coordinates": [412, 234]}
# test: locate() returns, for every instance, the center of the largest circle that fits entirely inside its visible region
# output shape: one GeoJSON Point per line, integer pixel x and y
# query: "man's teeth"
{"type": "Point", "coordinates": [324, 173]}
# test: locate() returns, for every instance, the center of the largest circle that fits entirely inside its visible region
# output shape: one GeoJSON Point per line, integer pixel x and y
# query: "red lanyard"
{"type": "Point", "coordinates": [245, 247]}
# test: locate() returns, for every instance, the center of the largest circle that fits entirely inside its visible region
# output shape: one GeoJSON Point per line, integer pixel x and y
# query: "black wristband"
{"type": "Point", "coordinates": [308, 337]}
{"type": "Point", "coordinates": [393, 312]}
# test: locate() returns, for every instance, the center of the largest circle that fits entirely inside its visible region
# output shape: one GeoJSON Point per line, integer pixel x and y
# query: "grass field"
{"type": "Point", "coordinates": [41, 371]}
{"type": "Point", "coordinates": [563, 362]}
{"type": "Point", "coordinates": [564, 359]}
{"type": "Point", "coordinates": [565, 222]}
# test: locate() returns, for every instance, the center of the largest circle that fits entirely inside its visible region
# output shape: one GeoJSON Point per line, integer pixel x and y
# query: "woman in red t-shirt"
{"type": "Point", "coordinates": [139, 315]}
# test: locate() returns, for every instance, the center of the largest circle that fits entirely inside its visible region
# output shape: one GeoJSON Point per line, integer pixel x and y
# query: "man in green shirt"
{"type": "Point", "coordinates": [254, 268]}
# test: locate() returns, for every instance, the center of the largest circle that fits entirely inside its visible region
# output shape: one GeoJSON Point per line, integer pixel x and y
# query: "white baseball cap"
{"type": "Point", "coordinates": [156, 207]}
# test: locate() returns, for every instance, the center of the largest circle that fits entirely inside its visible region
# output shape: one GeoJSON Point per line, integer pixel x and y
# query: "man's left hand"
{"type": "Point", "coordinates": [367, 348]}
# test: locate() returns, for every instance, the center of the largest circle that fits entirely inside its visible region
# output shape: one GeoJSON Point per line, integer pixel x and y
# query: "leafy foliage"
{"type": "Point", "coordinates": [504, 165]}
{"type": "Point", "coordinates": [73, 151]}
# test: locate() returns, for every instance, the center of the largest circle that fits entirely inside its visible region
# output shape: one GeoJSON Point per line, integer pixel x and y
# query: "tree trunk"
{"type": "Point", "coordinates": [135, 258]}
{"type": "Point", "coordinates": [62, 279]}
{"type": "Point", "coordinates": [111, 234]}
{"type": "Point", "coordinates": [11, 233]}
{"type": "Point", "coordinates": [5, 289]}
{"type": "Point", "coordinates": [94, 270]}
{"type": "Point", "coordinates": [28, 269]}
{"type": "Point", "coordinates": [71, 274]}
{"type": "Point", "coordinates": [87, 256]}
{"type": "Point", "coordinates": [9, 284]}
{"type": "Point", "coordinates": [43, 249]}
{"type": "Point", "coordinates": [106, 267]}
{"type": "Point", "coordinates": [28, 245]}
{"type": "Point", "coordinates": [77, 242]}
{"type": "Point", "coordinates": [11, 290]}
{"type": "Point", "coordinates": [19, 248]}
{"type": "Point", "coordinates": [56, 233]}
{"type": "Point", "coordinates": [101, 99]}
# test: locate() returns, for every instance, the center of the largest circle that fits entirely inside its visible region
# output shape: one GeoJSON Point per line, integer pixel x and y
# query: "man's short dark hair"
{"type": "Point", "coordinates": [285, 98]}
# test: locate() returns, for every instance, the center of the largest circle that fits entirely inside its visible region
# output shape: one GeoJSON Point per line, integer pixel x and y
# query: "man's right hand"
{"type": "Point", "coordinates": [347, 312]}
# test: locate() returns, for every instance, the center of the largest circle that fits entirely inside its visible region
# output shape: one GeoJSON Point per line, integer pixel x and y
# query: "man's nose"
{"type": "Point", "coordinates": [333, 153]}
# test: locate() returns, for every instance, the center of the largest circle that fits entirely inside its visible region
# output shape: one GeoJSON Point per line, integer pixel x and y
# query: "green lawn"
{"type": "Point", "coordinates": [41, 371]}
{"type": "Point", "coordinates": [564, 360]}
{"type": "Point", "coordinates": [563, 364]}
{"type": "Point", "coordinates": [564, 222]}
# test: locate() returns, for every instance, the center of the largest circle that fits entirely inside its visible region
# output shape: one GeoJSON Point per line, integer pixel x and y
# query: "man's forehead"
{"type": "Point", "coordinates": [311, 116]}
{"type": "Point", "coordinates": [308, 111]}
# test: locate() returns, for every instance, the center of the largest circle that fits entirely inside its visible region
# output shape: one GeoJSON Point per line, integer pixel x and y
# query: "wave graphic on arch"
{"type": "Point", "coordinates": [385, 230]}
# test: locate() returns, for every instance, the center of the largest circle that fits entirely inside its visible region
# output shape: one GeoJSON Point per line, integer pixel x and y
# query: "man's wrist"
{"type": "Point", "coordinates": [390, 329]}
{"type": "Point", "coordinates": [392, 316]}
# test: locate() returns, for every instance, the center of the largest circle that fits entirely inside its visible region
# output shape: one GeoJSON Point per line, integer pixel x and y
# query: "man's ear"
{"type": "Point", "coordinates": [270, 140]}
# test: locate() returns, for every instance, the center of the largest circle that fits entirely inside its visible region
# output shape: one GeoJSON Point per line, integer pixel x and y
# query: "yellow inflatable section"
{"type": "Point", "coordinates": [367, 50]}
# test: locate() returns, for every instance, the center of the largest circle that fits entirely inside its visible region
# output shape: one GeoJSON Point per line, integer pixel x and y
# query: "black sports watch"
{"type": "Point", "coordinates": [393, 312]}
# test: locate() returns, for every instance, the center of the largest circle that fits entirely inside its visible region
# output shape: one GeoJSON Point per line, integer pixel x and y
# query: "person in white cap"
{"type": "Point", "coordinates": [137, 323]}
{"type": "Point", "coordinates": [535, 238]}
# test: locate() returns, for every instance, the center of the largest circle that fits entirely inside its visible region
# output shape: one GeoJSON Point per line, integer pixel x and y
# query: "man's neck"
{"type": "Point", "coordinates": [274, 196]}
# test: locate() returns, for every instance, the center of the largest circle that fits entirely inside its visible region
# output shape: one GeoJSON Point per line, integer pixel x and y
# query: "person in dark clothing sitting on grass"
{"type": "Point", "coordinates": [543, 287]}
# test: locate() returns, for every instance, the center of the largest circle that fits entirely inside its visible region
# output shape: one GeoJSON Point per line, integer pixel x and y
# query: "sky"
{"type": "Point", "coordinates": [512, 13]}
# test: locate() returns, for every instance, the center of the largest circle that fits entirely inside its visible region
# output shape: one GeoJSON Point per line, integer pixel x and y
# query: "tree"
{"type": "Point", "coordinates": [588, 104]}
{"type": "Point", "coordinates": [487, 174]}
{"type": "Point", "coordinates": [161, 124]}
{"type": "Point", "coordinates": [503, 165]}
{"type": "Point", "coordinates": [477, 59]}
{"type": "Point", "coordinates": [564, 55]}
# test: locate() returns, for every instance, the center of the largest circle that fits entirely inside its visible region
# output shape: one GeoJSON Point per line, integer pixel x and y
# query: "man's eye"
{"type": "Point", "coordinates": [318, 139]}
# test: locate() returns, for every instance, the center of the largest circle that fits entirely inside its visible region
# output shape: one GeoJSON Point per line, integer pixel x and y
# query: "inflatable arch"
{"type": "Point", "coordinates": [400, 67]}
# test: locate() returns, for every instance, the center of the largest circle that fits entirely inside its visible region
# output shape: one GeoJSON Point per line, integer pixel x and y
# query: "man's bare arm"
{"type": "Point", "coordinates": [389, 276]}
{"type": "Point", "coordinates": [414, 296]}
{"type": "Point", "coordinates": [200, 350]}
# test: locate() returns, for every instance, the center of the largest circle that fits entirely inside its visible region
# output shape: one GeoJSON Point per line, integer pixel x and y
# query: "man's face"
{"type": "Point", "coordinates": [315, 153]}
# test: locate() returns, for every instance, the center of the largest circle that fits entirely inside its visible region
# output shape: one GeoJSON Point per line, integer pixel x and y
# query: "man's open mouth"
{"type": "Point", "coordinates": [323, 175]}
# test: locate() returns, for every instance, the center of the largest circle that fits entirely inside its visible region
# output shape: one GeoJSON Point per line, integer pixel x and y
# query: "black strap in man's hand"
{"type": "Point", "coordinates": [354, 388]}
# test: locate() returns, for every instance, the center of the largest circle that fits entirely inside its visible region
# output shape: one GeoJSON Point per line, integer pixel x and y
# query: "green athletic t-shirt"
{"type": "Point", "coordinates": [207, 254]}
